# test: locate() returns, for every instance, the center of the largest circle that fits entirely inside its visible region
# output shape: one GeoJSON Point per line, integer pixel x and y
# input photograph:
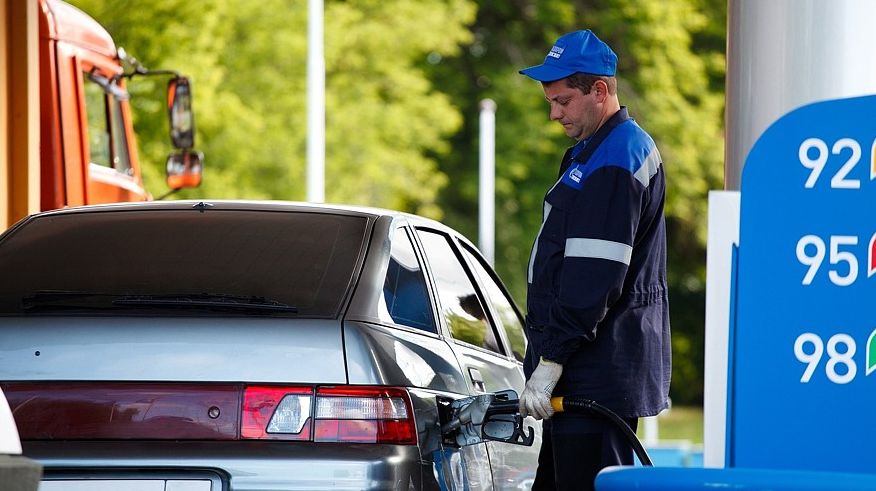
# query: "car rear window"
{"type": "Point", "coordinates": [85, 262]}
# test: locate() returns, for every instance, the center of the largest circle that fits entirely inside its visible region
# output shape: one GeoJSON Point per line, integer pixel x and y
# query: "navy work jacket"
{"type": "Point", "coordinates": [597, 297]}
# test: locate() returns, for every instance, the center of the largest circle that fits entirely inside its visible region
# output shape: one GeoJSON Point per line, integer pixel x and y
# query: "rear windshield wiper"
{"type": "Point", "coordinates": [206, 300]}
{"type": "Point", "coordinates": [67, 299]}
{"type": "Point", "coordinates": [85, 300]}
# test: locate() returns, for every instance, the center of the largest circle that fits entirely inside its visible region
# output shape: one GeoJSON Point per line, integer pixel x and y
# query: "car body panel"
{"type": "Point", "coordinates": [488, 371]}
{"type": "Point", "coordinates": [160, 349]}
{"type": "Point", "coordinates": [247, 466]}
{"type": "Point", "coordinates": [380, 355]}
{"type": "Point", "coordinates": [506, 461]}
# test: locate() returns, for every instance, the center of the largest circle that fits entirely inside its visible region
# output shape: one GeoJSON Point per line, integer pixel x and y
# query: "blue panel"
{"type": "Point", "coordinates": [799, 396]}
{"type": "Point", "coordinates": [681, 479]}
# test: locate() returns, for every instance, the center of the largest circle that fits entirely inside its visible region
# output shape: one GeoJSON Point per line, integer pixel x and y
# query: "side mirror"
{"type": "Point", "coordinates": [184, 169]}
{"type": "Point", "coordinates": [179, 109]}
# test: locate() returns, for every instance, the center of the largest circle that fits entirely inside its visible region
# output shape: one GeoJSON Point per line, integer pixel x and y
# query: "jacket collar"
{"type": "Point", "coordinates": [593, 142]}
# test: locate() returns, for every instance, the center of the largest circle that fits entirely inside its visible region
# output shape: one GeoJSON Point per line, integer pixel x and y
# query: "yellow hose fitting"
{"type": "Point", "coordinates": [557, 404]}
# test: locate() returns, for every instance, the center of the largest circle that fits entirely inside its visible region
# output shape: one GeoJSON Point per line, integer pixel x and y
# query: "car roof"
{"type": "Point", "coordinates": [373, 213]}
{"type": "Point", "coordinates": [251, 205]}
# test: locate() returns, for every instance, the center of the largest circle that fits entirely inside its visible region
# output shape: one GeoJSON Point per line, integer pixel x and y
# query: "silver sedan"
{"type": "Point", "coordinates": [196, 346]}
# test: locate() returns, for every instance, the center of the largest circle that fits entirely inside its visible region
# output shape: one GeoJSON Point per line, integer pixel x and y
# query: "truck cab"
{"type": "Point", "coordinates": [88, 151]}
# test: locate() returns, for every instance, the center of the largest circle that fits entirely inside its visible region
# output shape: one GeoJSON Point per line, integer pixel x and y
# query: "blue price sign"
{"type": "Point", "coordinates": [803, 349]}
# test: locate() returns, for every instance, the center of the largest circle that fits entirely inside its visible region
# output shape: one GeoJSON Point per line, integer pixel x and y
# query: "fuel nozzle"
{"type": "Point", "coordinates": [483, 417]}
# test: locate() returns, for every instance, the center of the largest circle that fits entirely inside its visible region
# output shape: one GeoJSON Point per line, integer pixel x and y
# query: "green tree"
{"type": "Point", "coordinates": [190, 37]}
{"type": "Point", "coordinates": [385, 121]}
{"type": "Point", "coordinates": [388, 122]}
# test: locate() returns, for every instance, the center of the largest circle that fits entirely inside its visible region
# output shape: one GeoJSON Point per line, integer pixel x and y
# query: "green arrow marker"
{"type": "Point", "coordinates": [871, 352]}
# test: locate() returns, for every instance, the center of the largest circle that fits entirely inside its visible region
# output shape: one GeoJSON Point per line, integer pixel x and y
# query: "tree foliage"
{"type": "Point", "coordinates": [404, 81]}
{"type": "Point", "coordinates": [385, 121]}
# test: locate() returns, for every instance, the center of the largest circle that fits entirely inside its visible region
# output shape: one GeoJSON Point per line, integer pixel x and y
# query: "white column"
{"type": "Point", "coordinates": [723, 235]}
{"type": "Point", "coordinates": [651, 431]}
{"type": "Point", "coordinates": [315, 103]}
{"type": "Point", "coordinates": [487, 182]}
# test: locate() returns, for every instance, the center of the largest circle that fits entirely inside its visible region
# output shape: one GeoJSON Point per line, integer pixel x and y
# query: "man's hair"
{"type": "Point", "coordinates": [584, 82]}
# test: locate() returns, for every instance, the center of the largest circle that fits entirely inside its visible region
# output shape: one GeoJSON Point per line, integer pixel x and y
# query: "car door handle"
{"type": "Point", "coordinates": [476, 379]}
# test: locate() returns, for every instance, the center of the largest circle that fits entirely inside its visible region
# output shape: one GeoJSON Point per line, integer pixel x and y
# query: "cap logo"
{"type": "Point", "coordinates": [556, 51]}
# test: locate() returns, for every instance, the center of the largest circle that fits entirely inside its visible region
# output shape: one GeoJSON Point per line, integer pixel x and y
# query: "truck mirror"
{"type": "Point", "coordinates": [184, 169]}
{"type": "Point", "coordinates": [179, 109]}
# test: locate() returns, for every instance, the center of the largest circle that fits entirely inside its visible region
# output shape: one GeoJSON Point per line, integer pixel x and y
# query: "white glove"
{"type": "Point", "coordinates": [536, 398]}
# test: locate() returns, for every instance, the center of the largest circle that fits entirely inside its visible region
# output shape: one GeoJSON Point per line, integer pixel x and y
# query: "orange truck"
{"type": "Point", "coordinates": [88, 149]}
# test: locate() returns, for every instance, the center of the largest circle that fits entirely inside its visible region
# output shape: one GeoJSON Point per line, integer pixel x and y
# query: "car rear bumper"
{"type": "Point", "coordinates": [241, 466]}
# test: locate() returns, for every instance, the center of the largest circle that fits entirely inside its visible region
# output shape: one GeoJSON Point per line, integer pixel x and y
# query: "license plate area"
{"type": "Point", "coordinates": [133, 481]}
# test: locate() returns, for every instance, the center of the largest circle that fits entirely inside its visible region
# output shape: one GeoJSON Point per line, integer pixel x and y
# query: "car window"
{"type": "Point", "coordinates": [82, 262]}
{"type": "Point", "coordinates": [459, 299]}
{"type": "Point", "coordinates": [405, 299]}
{"type": "Point", "coordinates": [508, 320]}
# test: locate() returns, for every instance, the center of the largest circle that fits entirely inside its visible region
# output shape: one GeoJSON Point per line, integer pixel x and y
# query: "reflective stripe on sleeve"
{"type": "Point", "coordinates": [599, 249]}
{"type": "Point", "coordinates": [649, 167]}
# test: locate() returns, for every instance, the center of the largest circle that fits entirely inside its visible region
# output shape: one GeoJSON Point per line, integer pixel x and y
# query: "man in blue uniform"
{"type": "Point", "coordinates": [598, 313]}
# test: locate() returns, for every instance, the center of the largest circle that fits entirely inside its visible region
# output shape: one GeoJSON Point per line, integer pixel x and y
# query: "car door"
{"type": "Point", "coordinates": [510, 463]}
{"type": "Point", "coordinates": [469, 319]}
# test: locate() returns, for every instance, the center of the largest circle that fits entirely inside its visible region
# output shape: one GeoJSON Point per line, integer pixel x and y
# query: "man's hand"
{"type": "Point", "coordinates": [536, 398]}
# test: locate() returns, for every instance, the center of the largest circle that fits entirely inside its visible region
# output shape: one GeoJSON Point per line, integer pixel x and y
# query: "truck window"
{"type": "Point", "coordinates": [98, 131]}
{"type": "Point", "coordinates": [107, 141]}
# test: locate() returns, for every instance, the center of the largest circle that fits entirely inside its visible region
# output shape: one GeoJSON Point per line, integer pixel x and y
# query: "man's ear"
{"type": "Point", "coordinates": [600, 90]}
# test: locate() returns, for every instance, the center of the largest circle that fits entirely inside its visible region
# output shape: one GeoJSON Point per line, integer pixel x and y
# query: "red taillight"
{"type": "Point", "coordinates": [364, 414]}
{"type": "Point", "coordinates": [338, 414]}
{"type": "Point", "coordinates": [277, 413]}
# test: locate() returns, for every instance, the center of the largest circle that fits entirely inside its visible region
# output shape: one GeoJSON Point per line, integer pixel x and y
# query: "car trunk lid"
{"type": "Point", "coordinates": [260, 350]}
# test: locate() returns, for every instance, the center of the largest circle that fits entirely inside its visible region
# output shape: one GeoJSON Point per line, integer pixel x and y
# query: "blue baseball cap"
{"type": "Point", "coordinates": [579, 51]}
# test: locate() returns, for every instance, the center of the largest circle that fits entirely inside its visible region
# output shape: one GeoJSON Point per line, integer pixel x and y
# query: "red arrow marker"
{"type": "Point", "coordinates": [871, 263]}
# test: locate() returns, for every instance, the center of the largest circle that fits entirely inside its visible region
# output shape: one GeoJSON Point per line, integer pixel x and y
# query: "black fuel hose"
{"type": "Point", "coordinates": [578, 404]}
